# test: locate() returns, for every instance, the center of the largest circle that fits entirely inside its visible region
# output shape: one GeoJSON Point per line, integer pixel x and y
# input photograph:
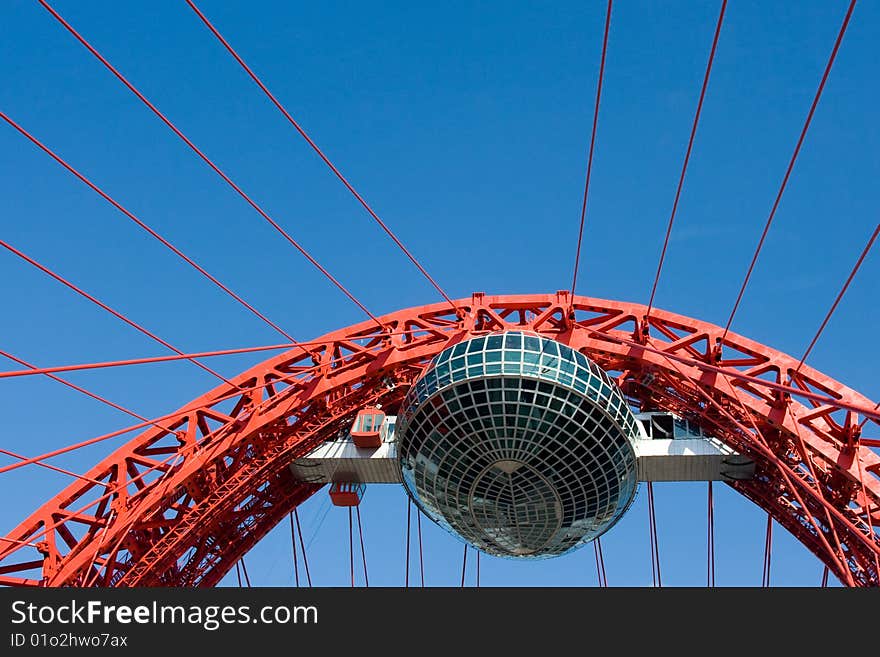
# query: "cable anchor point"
{"type": "Point", "coordinates": [642, 331]}
{"type": "Point", "coordinates": [716, 353]}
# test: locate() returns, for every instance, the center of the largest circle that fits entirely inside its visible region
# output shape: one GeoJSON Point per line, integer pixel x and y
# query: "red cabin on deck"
{"type": "Point", "coordinates": [365, 430]}
{"type": "Point", "coordinates": [347, 493]}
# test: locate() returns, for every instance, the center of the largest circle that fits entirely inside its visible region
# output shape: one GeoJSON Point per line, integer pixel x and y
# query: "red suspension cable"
{"type": "Point", "coordinates": [140, 361]}
{"type": "Point", "coordinates": [49, 466]}
{"type": "Point", "coordinates": [107, 436]}
{"type": "Point", "coordinates": [206, 159]}
{"type": "Point", "coordinates": [838, 554]}
{"type": "Point", "coordinates": [363, 553]}
{"type": "Point", "coordinates": [37, 459]}
{"type": "Point", "coordinates": [655, 547]}
{"type": "Point", "coordinates": [302, 546]}
{"type": "Point", "coordinates": [201, 354]}
{"type": "Point", "coordinates": [831, 310]}
{"type": "Point", "coordinates": [293, 545]}
{"type": "Point", "coordinates": [825, 577]}
{"type": "Point", "coordinates": [710, 540]}
{"type": "Point", "coordinates": [768, 551]}
{"type": "Point", "coordinates": [317, 150]}
{"type": "Point", "coordinates": [144, 226]}
{"type": "Point", "coordinates": [17, 542]}
{"type": "Point", "coordinates": [113, 434]}
{"type": "Point", "coordinates": [577, 255]}
{"type": "Point", "coordinates": [238, 573]}
{"type": "Point", "coordinates": [687, 155]}
{"type": "Point", "coordinates": [791, 162]}
{"type": "Point", "coordinates": [110, 310]}
{"type": "Point", "coordinates": [870, 443]}
{"type": "Point", "coordinates": [87, 393]}
{"type": "Point", "coordinates": [97, 571]}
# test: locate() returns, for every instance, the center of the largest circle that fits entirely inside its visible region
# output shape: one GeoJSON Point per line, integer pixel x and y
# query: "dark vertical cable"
{"type": "Point", "coordinates": [655, 543]}
{"type": "Point", "coordinates": [710, 566]}
{"type": "Point", "coordinates": [351, 545]}
{"type": "Point", "coordinates": [408, 524]}
{"type": "Point", "coordinates": [463, 564]}
{"type": "Point", "coordinates": [421, 556]}
{"type": "Point", "coordinates": [601, 578]}
{"type": "Point", "coordinates": [293, 545]}
{"type": "Point", "coordinates": [577, 255]}
{"type": "Point", "coordinates": [768, 550]}
{"type": "Point", "coordinates": [363, 553]}
{"type": "Point", "coordinates": [247, 578]}
{"type": "Point", "coordinates": [302, 545]}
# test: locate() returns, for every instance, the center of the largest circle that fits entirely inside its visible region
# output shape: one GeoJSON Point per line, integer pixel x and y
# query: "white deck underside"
{"type": "Point", "coordinates": [690, 459]}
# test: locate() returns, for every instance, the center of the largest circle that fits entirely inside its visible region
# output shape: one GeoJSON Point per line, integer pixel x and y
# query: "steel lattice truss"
{"type": "Point", "coordinates": [182, 502]}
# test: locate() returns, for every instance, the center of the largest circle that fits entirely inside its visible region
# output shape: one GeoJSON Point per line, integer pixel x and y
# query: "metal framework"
{"type": "Point", "coordinates": [180, 504]}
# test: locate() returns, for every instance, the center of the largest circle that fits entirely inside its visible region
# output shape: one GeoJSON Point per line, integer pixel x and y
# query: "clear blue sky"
{"type": "Point", "coordinates": [466, 126]}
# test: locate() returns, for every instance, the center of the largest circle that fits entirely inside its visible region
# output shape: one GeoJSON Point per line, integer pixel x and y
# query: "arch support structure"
{"type": "Point", "coordinates": [180, 503]}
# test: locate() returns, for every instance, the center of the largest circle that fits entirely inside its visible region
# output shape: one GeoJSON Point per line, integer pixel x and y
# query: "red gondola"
{"type": "Point", "coordinates": [365, 430]}
{"type": "Point", "coordinates": [347, 493]}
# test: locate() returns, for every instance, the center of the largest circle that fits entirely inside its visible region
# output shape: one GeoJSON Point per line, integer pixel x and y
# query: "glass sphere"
{"type": "Point", "coordinates": [518, 444]}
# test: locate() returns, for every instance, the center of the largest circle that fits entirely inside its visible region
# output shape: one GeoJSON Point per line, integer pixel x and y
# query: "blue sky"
{"type": "Point", "coordinates": [466, 126]}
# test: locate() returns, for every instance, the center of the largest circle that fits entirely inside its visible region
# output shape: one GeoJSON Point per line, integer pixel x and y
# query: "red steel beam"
{"type": "Point", "coordinates": [179, 529]}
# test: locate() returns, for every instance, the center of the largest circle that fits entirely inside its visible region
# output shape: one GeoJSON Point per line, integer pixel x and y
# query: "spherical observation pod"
{"type": "Point", "coordinates": [180, 502]}
{"type": "Point", "coordinates": [518, 444]}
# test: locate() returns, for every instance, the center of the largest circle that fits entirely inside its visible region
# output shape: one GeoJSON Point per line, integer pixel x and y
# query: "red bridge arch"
{"type": "Point", "coordinates": [180, 503]}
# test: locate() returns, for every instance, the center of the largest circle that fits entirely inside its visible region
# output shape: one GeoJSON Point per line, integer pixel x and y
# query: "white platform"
{"type": "Point", "coordinates": [685, 458]}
